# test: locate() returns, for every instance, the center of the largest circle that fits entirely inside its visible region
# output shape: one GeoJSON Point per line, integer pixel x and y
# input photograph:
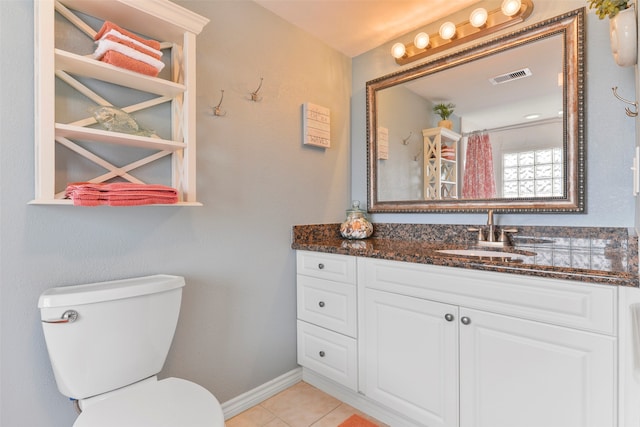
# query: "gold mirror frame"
{"type": "Point", "coordinates": [571, 26]}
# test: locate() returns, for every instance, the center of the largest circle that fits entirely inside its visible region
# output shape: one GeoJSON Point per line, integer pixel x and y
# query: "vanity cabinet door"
{"type": "Point", "coordinates": [411, 357]}
{"type": "Point", "coordinates": [521, 373]}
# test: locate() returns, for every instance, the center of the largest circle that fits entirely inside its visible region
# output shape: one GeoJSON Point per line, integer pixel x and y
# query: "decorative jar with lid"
{"type": "Point", "coordinates": [357, 226]}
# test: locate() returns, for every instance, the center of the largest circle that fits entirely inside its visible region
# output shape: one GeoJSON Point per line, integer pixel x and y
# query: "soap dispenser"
{"type": "Point", "coordinates": [356, 226]}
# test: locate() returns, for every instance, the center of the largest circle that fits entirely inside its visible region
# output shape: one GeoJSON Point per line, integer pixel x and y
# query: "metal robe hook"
{"type": "Point", "coordinates": [216, 110]}
{"type": "Point", "coordinates": [405, 141]}
{"type": "Point", "coordinates": [254, 94]}
{"type": "Point", "coordinates": [626, 109]}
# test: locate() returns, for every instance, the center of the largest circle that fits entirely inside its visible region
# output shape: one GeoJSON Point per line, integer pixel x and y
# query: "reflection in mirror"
{"type": "Point", "coordinates": [516, 143]}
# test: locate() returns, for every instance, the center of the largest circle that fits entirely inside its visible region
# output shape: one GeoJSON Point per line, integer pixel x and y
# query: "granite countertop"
{"type": "Point", "coordinates": [587, 254]}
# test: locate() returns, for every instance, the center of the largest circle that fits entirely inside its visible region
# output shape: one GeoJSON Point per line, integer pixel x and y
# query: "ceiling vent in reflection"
{"type": "Point", "coordinates": [508, 77]}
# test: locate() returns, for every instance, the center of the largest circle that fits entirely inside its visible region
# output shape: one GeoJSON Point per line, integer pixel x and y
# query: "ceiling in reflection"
{"type": "Point", "coordinates": [481, 104]}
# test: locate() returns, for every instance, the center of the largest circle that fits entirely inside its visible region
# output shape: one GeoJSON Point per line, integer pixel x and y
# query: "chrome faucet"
{"type": "Point", "coordinates": [490, 238]}
{"type": "Point", "coordinates": [491, 232]}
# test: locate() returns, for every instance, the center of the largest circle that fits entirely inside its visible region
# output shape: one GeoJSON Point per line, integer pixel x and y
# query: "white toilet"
{"type": "Point", "coordinates": [107, 342]}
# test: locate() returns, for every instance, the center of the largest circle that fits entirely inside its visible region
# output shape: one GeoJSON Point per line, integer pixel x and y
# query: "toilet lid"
{"type": "Point", "coordinates": [170, 402]}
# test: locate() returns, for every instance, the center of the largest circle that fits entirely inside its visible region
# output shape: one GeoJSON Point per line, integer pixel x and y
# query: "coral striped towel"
{"type": "Point", "coordinates": [128, 63]}
{"type": "Point", "coordinates": [120, 194]}
{"type": "Point", "coordinates": [105, 46]}
{"type": "Point", "coordinates": [115, 36]}
{"type": "Point", "coordinates": [124, 49]}
{"type": "Point", "coordinates": [108, 26]}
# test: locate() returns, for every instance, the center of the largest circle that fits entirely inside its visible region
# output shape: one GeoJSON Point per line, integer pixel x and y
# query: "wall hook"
{"type": "Point", "coordinates": [254, 94]}
{"type": "Point", "coordinates": [405, 141]}
{"type": "Point", "coordinates": [627, 109]}
{"type": "Point", "coordinates": [216, 110]}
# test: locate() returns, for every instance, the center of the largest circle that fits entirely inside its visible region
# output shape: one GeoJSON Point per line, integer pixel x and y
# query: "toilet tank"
{"type": "Point", "coordinates": [122, 332]}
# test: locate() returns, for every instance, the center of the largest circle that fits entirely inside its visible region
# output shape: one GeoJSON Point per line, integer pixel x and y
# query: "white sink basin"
{"type": "Point", "coordinates": [479, 253]}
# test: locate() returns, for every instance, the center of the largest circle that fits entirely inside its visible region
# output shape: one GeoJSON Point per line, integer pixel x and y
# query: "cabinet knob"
{"type": "Point", "coordinates": [321, 354]}
{"type": "Point", "coordinates": [448, 317]}
{"type": "Point", "coordinates": [320, 266]}
{"type": "Point", "coordinates": [465, 320]}
{"type": "Point", "coordinates": [321, 303]}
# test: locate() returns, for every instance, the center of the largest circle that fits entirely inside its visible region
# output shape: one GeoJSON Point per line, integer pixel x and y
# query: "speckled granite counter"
{"type": "Point", "coordinates": [605, 255]}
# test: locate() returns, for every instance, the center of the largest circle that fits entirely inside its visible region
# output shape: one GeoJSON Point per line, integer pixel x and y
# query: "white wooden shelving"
{"type": "Point", "coordinates": [176, 28]}
{"type": "Point", "coordinates": [440, 173]}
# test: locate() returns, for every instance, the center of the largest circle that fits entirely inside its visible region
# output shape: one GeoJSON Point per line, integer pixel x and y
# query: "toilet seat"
{"type": "Point", "coordinates": [166, 403]}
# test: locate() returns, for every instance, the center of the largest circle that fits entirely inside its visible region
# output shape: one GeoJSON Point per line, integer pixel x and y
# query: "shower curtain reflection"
{"type": "Point", "coordinates": [478, 180]}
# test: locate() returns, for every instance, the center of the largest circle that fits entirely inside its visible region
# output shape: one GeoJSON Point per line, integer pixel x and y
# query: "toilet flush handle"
{"type": "Point", "coordinates": [68, 316]}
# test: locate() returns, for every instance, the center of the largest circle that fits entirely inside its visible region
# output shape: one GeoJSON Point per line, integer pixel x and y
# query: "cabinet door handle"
{"type": "Point", "coordinates": [321, 354]}
{"type": "Point", "coordinates": [321, 303]}
{"type": "Point", "coordinates": [449, 317]}
{"type": "Point", "coordinates": [465, 320]}
{"type": "Point", "coordinates": [321, 266]}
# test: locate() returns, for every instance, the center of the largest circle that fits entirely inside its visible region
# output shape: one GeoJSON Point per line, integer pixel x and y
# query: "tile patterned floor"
{"type": "Point", "coordinates": [301, 405]}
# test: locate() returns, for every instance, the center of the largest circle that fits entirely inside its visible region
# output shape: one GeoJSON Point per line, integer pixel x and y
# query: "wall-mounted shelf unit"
{"type": "Point", "coordinates": [98, 83]}
{"type": "Point", "coordinates": [440, 163]}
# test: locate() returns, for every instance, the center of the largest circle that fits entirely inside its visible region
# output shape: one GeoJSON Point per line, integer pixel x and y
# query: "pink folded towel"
{"type": "Point", "coordinates": [108, 26]}
{"type": "Point", "coordinates": [120, 194]}
{"type": "Point", "coordinates": [124, 49]}
{"type": "Point", "coordinates": [156, 54]}
{"type": "Point", "coordinates": [119, 60]}
{"type": "Point", "coordinates": [106, 45]}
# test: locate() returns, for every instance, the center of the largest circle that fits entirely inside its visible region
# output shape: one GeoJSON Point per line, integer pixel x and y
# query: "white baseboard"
{"type": "Point", "coordinates": [261, 393]}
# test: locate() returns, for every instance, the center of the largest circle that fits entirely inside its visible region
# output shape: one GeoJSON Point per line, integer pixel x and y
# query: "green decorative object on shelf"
{"type": "Point", "coordinates": [444, 111]}
{"type": "Point", "coordinates": [116, 120]}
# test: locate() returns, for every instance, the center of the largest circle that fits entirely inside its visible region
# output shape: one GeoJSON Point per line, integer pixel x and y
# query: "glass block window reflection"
{"type": "Point", "coordinates": [536, 173]}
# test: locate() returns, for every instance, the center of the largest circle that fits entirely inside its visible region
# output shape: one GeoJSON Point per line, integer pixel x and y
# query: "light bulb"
{"type": "Point", "coordinates": [421, 40]}
{"type": "Point", "coordinates": [398, 50]}
{"type": "Point", "coordinates": [511, 7]}
{"type": "Point", "coordinates": [447, 30]}
{"type": "Point", "coordinates": [478, 17]}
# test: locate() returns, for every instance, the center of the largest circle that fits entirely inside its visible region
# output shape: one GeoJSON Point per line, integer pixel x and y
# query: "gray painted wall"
{"type": "Point", "coordinates": [610, 134]}
{"type": "Point", "coordinates": [255, 178]}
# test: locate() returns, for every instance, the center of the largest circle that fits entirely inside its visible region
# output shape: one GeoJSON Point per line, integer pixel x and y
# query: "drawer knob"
{"type": "Point", "coordinates": [321, 303]}
{"type": "Point", "coordinates": [448, 317]}
{"type": "Point", "coordinates": [465, 320]}
{"type": "Point", "coordinates": [321, 266]}
{"type": "Point", "coordinates": [321, 354]}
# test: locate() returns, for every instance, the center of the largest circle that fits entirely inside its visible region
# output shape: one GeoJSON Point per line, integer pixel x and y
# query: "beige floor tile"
{"type": "Point", "coordinates": [277, 422]}
{"type": "Point", "coordinates": [254, 417]}
{"type": "Point", "coordinates": [301, 405]}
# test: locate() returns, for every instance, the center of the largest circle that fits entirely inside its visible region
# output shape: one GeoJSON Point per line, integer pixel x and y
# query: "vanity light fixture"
{"type": "Point", "coordinates": [421, 41]}
{"type": "Point", "coordinates": [511, 7]}
{"type": "Point", "coordinates": [481, 23]}
{"type": "Point", "coordinates": [398, 50]}
{"type": "Point", "coordinates": [478, 17]}
{"type": "Point", "coordinates": [447, 30]}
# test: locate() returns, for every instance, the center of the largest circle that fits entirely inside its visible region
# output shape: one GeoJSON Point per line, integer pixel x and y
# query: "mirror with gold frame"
{"type": "Point", "coordinates": [517, 142]}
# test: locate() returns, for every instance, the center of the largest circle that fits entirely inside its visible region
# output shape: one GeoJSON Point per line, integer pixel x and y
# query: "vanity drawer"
{"type": "Point", "coordinates": [339, 268]}
{"type": "Point", "coordinates": [329, 304]}
{"type": "Point", "coordinates": [328, 353]}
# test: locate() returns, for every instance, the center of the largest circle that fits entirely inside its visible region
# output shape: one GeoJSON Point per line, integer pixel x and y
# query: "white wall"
{"type": "Point", "coordinates": [255, 178]}
{"type": "Point", "coordinates": [610, 134]}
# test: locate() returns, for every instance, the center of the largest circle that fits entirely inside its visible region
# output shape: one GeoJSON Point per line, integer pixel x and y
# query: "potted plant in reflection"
{"type": "Point", "coordinates": [622, 28]}
{"type": "Point", "coordinates": [444, 111]}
